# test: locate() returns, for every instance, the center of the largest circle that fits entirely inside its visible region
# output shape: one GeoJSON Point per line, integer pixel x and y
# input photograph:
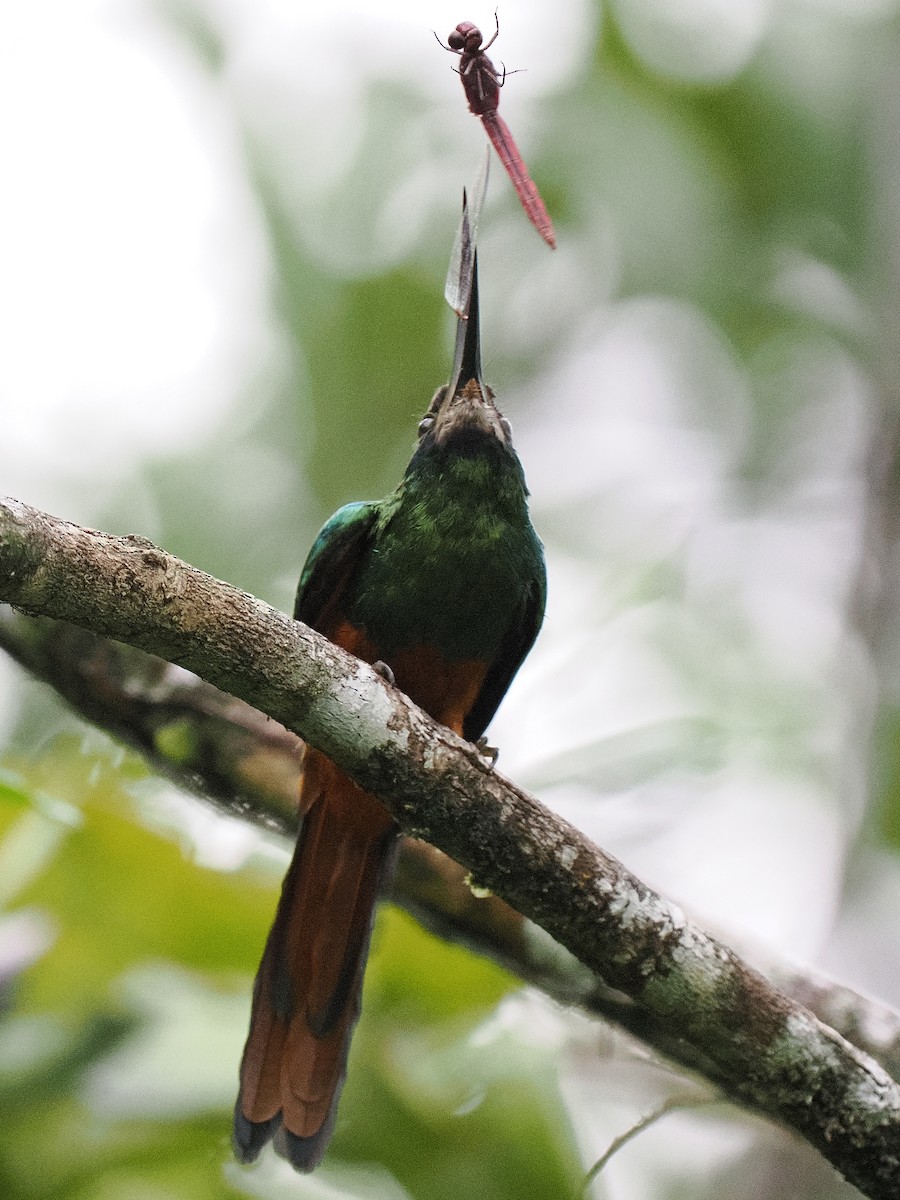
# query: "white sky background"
{"type": "Point", "coordinates": [133, 282]}
{"type": "Point", "coordinates": [133, 270]}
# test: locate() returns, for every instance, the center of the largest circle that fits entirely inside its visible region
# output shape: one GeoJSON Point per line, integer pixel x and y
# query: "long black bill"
{"type": "Point", "coordinates": [467, 356]}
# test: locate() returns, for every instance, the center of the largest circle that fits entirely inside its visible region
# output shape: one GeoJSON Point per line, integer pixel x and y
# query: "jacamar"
{"type": "Point", "coordinates": [442, 583]}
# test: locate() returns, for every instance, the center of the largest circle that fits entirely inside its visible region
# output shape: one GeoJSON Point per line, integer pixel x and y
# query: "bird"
{"type": "Point", "coordinates": [442, 586]}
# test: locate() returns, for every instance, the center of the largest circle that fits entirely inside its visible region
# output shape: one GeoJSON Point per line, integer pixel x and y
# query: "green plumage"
{"type": "Point", "coordinates": [449, 560]}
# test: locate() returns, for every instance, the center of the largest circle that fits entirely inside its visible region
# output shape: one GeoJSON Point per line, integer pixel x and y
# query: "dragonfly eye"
{"type": "Point", "coordinates": [425, 424]}
{"type": "Point", "coordinates": [456, 41]}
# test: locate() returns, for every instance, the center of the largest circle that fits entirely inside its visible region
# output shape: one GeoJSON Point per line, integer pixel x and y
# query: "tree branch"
{"type": "Point", "coordinates": [223, 750]}
{"type": "Point", "coordinates": [763, 1049]}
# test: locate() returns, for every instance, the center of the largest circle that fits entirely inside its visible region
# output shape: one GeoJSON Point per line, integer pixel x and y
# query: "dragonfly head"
{"type": "Point", "coordinates": [465, 38]}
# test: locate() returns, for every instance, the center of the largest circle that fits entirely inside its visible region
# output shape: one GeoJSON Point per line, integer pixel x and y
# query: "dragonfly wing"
{"type": "Point", "coordinates": [458, 288]}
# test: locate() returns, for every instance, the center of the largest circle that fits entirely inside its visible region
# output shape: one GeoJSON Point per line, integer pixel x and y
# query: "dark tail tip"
{"type": "Point", "coordinates": [305, 1153]}
{"type": "Point", "coordinates": [249, 1137]}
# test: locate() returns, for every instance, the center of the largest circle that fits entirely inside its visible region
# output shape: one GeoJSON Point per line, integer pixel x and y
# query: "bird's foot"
{"type": "Point", "coordinates": [384, 671]}
{"type": "Point", "coordinates": [491, 753]}
{"type": "Point", "coordinates": [479, 892]}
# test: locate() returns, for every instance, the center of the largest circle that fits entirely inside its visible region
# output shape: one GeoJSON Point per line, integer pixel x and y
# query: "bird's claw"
{"type": "Point", "coordinates": [382, 669]}
{"type": "Point", "coordinates": [491, 753]}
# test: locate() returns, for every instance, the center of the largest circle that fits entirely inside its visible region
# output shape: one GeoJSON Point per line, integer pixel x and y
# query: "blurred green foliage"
{"type": "Point", "coordinates": [119, 1046]}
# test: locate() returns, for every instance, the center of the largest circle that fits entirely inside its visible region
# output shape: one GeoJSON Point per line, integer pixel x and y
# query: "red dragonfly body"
{"type": "Point", "coordinates": [481, 81]}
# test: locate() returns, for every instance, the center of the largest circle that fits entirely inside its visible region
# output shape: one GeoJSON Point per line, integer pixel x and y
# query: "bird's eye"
{"type": "Point", "coordinates": [506, 427]}
{"type": "Point", "coordinates": [425, 424]}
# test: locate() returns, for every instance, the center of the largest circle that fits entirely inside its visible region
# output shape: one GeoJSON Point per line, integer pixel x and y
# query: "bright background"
{"type": "Point", "coordinates": [224, 229]}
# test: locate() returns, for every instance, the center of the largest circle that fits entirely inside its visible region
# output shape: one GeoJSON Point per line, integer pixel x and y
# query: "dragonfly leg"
{"type": "Point", "coordinates": [496, 31]}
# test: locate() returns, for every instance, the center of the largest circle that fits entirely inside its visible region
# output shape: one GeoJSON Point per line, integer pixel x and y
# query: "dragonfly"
{"type": "Point", "coordinates": [458, 288]}
{"type": "Point", "coordinates": [482, 82]}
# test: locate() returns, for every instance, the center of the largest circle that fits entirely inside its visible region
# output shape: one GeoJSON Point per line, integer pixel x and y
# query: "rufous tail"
{"type": "Point", "coordinates": [307, 992]}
